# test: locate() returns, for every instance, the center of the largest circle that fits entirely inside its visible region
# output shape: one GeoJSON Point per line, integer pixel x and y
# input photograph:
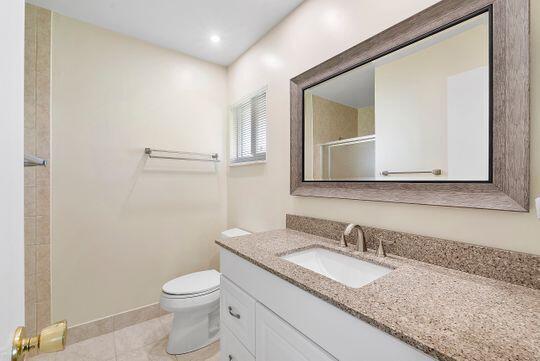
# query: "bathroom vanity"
{"type": "Point", "coordinates": [289, 295]}
{"type": "Point", "coordinates": [263, 317]}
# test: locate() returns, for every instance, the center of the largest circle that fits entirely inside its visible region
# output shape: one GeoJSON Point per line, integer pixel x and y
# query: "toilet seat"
{"type": "Point", "coordinates": [181, 297]}
{"type": "Point", "coordinates": [174, 304]}
{"type": "Point", "coordinates": [192, 285]}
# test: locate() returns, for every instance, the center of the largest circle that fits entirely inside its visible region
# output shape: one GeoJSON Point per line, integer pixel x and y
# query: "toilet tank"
{"type": "Point", "coordinates": [233, 232]}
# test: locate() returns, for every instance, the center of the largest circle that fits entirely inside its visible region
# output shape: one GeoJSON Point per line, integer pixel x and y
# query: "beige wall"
{"type": "Point", "coordinates": [123, 225]}
{"type": "Point", "coordinates": [412, 132]}
{"type": "Point", "coordinates": [316, 31]}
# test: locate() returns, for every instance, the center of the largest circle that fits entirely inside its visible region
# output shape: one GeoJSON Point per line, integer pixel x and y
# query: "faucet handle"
{"type": "Point", "coordinates": [381, 252]}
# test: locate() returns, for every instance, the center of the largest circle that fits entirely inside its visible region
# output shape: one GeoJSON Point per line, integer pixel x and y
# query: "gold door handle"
{"type": "Point", "coordinates": [50, 339]}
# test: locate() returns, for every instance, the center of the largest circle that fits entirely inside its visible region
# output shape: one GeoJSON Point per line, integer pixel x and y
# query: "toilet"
{"type": "Point", "coordinates": [194, 301]}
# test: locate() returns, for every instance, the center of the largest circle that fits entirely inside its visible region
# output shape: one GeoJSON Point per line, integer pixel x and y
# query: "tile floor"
{"type": "Point", "coordinates": [145, 341]}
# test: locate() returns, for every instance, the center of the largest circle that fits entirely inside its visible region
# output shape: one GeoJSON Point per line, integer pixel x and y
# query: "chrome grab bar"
{"type": "Point", "coordinates": [434, 172]}
{"type": "Point", "coordinates": [181, 155]}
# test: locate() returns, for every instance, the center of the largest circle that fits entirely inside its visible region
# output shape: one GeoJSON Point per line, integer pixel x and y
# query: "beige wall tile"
{"type": "Point", "coordinates": [43, 201]}
{"type": "Point", "coordinates": [43, 315]}
{"type": "Point", "coordinates": [43, 119]}
{"type": "Point", "coordinates": [43, 259]}
{"type": "Point", "coordinates": [30, 176]}
{"type": "Point", "coordinates": [30, 17]}
{"type": "Point", "coordinates": [43, 230]}
{"type": "Point", "coordinates": [30, 317]}
{"type": "Point", "coordinates": [91, 329]}
{"type": "Point", "coordinates": [43, 65]}
{"type": "Point", "coordinates": [138, 315]}
{"type": "Point", "coordinates": [29, 100]}
{"type": "Point", "coordinates": [43, 145]}
{"type": "Point", "coordinates": [43, 175]}
{"type": "Point", "coordinates": [30, 292]}
{"type": "Point", "coordinates": [30, 67]}
{"type": "Point", "coordinates": [30, 253]}
{"type": "Point", "coordinates": [30, 230]}
{"type": "Point", "coordinates": [43, 288]}
{"type": "Point", "coordinates": [37, 180]}
{"type": "Point", "coordinates": [30, 144]}
{"type": "Point", "coordinates": [29, 201]}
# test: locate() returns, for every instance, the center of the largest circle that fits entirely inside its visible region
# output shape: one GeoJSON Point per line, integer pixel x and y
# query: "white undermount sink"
{"type": "Point", "coordinates": [347, 270]}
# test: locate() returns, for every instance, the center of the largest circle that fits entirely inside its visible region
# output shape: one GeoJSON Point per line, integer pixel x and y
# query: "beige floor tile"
{"type": "Point", "coordinates": [166, 321]}
{"type": "Point", "coordinates": [158, 351]}
{"type": "Point", "coordinates": [43, 357]}
{"type": "Point", "coordinates": [99, 348]}
{"type": "Point", "coordinates": [146, 341]}
{"type": "Point", "coordinates": [137, 355]}
{"type": "Point", "coordinates": [208, 353]}
{"type": "Point", "coordinates": [142, 334]}
{"type": "Point", "coordinates": [154, 352]}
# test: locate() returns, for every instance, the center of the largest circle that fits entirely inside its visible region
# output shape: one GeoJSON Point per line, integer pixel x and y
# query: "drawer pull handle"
{"type": "Point", "coordinates": [231, 358]}
{"type": "Point", "coordinates": [235, 315]}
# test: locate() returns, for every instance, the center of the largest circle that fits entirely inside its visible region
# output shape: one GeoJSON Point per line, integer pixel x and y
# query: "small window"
{"type": "Point", "coordinates": [248, 129]}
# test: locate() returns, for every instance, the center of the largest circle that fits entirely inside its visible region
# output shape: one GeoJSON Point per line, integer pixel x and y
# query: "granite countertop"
{"type": "Point", "coordinates": [448, 314]}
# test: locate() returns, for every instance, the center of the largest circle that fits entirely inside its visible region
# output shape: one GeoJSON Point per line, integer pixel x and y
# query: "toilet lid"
{"type": "Point", "coordinates": [193, 283]}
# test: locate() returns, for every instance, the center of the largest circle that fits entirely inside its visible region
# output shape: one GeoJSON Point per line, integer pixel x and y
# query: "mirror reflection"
{"type": "Point", "coordinates": [421, 113]}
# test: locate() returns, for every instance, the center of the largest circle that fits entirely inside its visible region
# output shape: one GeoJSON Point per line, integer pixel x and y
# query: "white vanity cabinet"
{"type": "Point", "coordinates": [277, 340]}
{"type": "Point", "coordinates": [266, 318]}
{"type": "Point", "coordinates": [249, 328]}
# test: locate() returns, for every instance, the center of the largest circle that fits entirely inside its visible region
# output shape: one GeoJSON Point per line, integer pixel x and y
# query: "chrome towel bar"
{"type": "Point", "coordinates": [181, 155]}
{"type": "Point", "coordinates": [434, 172]}
{"type": "Point", "coordinates": [33, 161]}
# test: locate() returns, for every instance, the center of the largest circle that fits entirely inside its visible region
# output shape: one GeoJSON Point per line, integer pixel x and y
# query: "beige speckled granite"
{"type": "Point", "coordinates": [508, 266]}
{"type": "Point", "coordinates": [448, 314]}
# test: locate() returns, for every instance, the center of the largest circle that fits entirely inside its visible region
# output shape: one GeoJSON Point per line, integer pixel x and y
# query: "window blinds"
{"type": "Point", "coordinates": [248, 129]}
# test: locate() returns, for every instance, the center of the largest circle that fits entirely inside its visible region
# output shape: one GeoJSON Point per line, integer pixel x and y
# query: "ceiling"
{"type": "Point", "coordinates": [183, 25]}
{"type": "Point", "coordinates": [356, 88]}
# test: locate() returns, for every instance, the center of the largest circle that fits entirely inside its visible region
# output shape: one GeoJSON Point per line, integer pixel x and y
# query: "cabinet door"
{"type": "Point", "coordinates": [238, 313]}
{"type": "Point", "coordinates": [278, 341]}
{"type": "Point", "coordinates": [231, 349]}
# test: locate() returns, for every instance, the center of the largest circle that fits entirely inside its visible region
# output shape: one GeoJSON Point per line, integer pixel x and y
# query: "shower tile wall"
{"type": "Point", "coordinates": [37, 179]}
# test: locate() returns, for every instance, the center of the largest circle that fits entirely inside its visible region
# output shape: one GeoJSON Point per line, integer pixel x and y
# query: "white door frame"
{"type": "Point", "coordinates": [11, 171]}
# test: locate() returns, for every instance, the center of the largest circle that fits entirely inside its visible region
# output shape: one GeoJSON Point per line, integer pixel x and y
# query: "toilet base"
{"type": "Point", "coordinates": [193, 329]}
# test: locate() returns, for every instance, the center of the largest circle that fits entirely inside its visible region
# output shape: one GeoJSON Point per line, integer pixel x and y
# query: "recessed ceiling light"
{"type": "Point", "coordinates": [215, 39]}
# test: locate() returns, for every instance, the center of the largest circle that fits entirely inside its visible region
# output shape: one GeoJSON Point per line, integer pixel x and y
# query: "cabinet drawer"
{"type": "Point", "coordinates": [279, 341]}
{"type": "Point", "coordinates": [238, 313]}
{"type": "Point", "coordinates": [231, 349]}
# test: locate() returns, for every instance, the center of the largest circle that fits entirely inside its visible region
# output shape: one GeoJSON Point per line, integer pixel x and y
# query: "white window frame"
{"type": "Point", "coordinates": [235, 161]}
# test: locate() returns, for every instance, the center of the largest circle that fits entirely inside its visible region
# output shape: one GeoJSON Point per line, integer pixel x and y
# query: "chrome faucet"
{"type": "Point", "coordinates": [360, 243]}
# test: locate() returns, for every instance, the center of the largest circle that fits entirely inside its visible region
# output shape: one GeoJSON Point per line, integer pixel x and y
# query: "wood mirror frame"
{"type": "Point", "coordinates": [509, 186]}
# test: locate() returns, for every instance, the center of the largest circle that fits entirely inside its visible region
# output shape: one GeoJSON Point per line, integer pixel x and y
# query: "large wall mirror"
{"type": "Point", "coordinates": [433, 110]}
{"type": "Point", "coordinates": [418, 113]}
